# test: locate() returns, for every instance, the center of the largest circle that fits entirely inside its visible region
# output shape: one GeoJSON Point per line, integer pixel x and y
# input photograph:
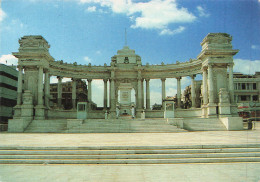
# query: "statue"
{"type": "Point", "coordinates": [223, 95]}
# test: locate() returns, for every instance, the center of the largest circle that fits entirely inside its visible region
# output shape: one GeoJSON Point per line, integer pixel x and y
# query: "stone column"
{"type": "Point", "coordinates": [193, 93]}
{"type": "Point", "coordinates": [139, 94]}
{"type": "Point", "coordinates": [74, 93]}
{"type": "Point", "coordinates": [210, 84]}
{"type": "Point", "coordinates": [89, 90]}
{"type": "Point", "coordinates": [142, 88]}
{"type": "Point", "coordinates": [179, 91]}
{"type": "Point", "coordinates": [40, 108]}
{"type": "Point", "coordinates": [205, 93]}
{"type": "Point", "coordinates": [231, 83]}
{"type": "Point", "coordinates": [47, 88]}
{"type": "Point", "coordinates": [147, 94]}
{"type": "Point", "coordinates": [113, 94]}
{"type": "Point", "coordinates": [105, 94]}
{"type": "Point", "coordinates": [163, 91]}
{"type": "Point", "coordinates": [40, 86]}
{"type": "Point", "coordinates": [109, 93]}
{"type": "Point", "coordinates": [20, 86]}
{"type": "Point", "coordinates": [59, 91]}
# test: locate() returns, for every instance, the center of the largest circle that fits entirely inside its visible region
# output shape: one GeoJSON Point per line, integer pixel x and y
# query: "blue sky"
{"type": "Point", "coordinates": [159, 30]}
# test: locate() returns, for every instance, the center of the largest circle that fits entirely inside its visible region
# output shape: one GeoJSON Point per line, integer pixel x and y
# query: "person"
{"type": "Point", "coordinates": [117, 112]}
{"type": "Point", "coordinates": [106, 115]}
{"type": "Point", "coordinates": [133, 112]}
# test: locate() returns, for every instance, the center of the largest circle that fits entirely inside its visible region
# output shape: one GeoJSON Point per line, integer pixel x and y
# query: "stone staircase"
{"type": "Point", "coordinates": [131, 154]}
{"type": "Point", "coordinates": [47, 126]}
{"type": "Point", "coordinates": [125, 126]}
{"type": "Point", "coordinates": [203, 124]}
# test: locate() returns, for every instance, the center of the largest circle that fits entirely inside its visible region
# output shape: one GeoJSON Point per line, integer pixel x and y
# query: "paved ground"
{"type": "Point", "coordinates": [164, 172]}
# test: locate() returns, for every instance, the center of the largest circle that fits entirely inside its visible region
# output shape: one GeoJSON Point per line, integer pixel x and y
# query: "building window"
{"type": "Point", "coordinates": [243, 97]}
{"type": "Point", "coordinates": [255, 97]}
{"type": "Point", "coordinates": [243, 86]}
{"type": "Point", "coordinates": [254, 86]}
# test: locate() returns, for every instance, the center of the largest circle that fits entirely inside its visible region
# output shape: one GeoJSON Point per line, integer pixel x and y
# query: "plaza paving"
{"type": "Point", "coordinates": [125, 172]}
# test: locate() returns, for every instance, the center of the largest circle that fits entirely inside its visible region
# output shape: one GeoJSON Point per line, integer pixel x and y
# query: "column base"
{"type": "Point", "coordinates": [204, 111]}
{"type": "Point", "coordinates": [17, 112]}
{"type": "Point", "coordinates": [234, 110]}
{"type": "Point", "coordinates": [112, 114]}
{"type": "Point", "coordinates": [211, 110]}
{"type": "Point", "coordinates": [40, 112]}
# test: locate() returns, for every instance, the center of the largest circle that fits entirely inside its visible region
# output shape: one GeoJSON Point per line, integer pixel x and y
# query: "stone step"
{"type": "Point", "coordinates": [140, 151]}
{"type": "Point", "coordinates": [135, 147]}
{"type": "Point", "coordinates": [201, 124]}
{"type": "Point", "coordinates": [130, 161]}
{"type": "Point", "coordinates": [132, 156]}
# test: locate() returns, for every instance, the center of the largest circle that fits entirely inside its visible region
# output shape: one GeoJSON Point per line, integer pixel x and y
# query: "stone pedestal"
{"type": "Point", "coordinates": [112, 114]}
{"type": "Point", "coordinates": [224, 109]}
{"type": "Point", "coordinates": [212, 110]}
{"type": "Point", "coordinates": [40, 112]}
{"type": "Point", "coordinates": [17, 112]}
{"type": "Point", "coordinates": [224, 103]}
{"type": "Point", "coordinates": [138, 113]}
{"type": "Point", "coordinates": [25, 111]}
{"type": "Point", "coordinates": [204, 111]}
{"type": "Point", "coordinates": [234, 110]}
{"type": "Point", "coordinates": [15, 125]}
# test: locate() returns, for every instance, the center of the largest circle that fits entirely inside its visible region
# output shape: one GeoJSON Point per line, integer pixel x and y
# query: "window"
{"type": "Point", "coordinates": [254, 86]}
{"type": "Point", "coordinates": [243, 97]}
{"type": "Point", "coordinates": [255, 97]}
{"type": "Point", "coordinates": [243, 86]}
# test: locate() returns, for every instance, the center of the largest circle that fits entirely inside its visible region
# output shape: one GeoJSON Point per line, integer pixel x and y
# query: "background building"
{"type": "Point", "coordinates": [247, 87]}
{"type": "Point", "coordinates": [247, 92]}
{"type": "Point", "coordinates": [8, 93]}
{"type": "Point", "coordinates": [81, 93]}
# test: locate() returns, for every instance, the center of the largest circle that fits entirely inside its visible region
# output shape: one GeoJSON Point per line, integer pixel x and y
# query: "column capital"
{"type": "Point", "coordinates": [46, 70]}
{"type": "Point", "coordinates": [89, 80]}
{"type": "Point", "coordinates": [147, 79]}
{"type": "Point", "coordinates": [39, 67]}
{"type": "Point", "coordinates": [193, 76]}
{"type": "Point", "coordinates": [178, 78]}
{"type": "Point", "coordinates": [230, 64]}
{"type": "Point", "coordinates": [105, 80]}
{"type": "Point", "coordinates": [75, 79]}
{"type": "Point", "coordinates": [163, 79]}
{"type": "Point", "coordinates": [210, 65]}
{"type": "Point", "coordinates": [59, 77]}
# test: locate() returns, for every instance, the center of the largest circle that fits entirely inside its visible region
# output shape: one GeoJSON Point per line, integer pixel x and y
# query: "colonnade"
{"type": "Point", "coordinates": [208, 90]}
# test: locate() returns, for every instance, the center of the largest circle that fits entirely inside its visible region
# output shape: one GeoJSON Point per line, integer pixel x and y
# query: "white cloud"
{"type": "Point", "coordinates": [87, 59]}
{"type": "Point", "coordinates": [255, 47]}
{"type": "Point", "coordinates": [8, 59]}
{"type": "Point", "coordinates": [2, 14]}
{"type": "Point", "coordinates": [246, 66]}
{"type": "Point", "coordinates": [158, 14]}
{"type": "Point", "coordinates": [202, 12]}
{"type": "Point", "coordinates": [172, 32]}
{"type": "Point", "coordinates": [154, 14]}
{"type": "Point", "coordinates": [92, 9]}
